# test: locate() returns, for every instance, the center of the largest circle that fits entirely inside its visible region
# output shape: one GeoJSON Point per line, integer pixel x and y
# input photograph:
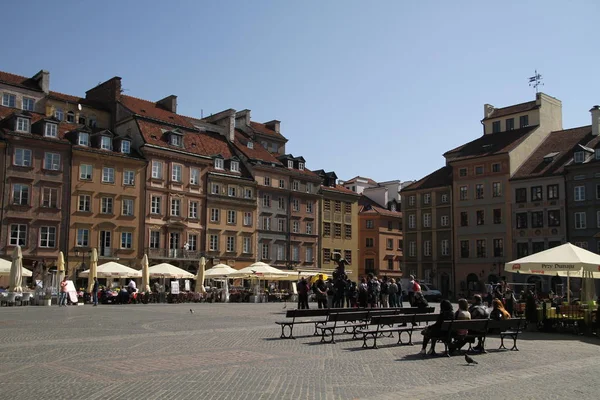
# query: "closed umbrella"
{"type": "Point", "coordinates": [93, 270]}
{"type": "Point", "coordinates": [60, 265]}
{"type": "Point", "coordinates": [145, 275]}
{"type": "Point", "coordinates": [16, 271]}
{"type": "Point", "coordinates": [200, 276]}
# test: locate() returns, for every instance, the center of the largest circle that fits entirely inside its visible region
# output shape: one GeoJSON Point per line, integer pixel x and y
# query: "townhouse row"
{"type": "Point", "coordinates": [524, 186]}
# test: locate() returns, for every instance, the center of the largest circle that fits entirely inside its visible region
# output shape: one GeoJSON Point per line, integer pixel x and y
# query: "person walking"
{"type": "Point", "coordinates": [95, 292]}
{"type": "Point", "coordinates": [385, 294]}
{"type": "Point", "coordinates": [62, 297]}
{"type": "Point", "coordinates": [393, 293]}
{"type": "Point", "coordinates": [302, 294]}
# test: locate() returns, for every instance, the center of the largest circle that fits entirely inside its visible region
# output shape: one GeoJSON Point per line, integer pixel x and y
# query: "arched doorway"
{"type": "Point", "coordinates": [472, 284]}
{"type": "Point", "coordinates": [445, 284]}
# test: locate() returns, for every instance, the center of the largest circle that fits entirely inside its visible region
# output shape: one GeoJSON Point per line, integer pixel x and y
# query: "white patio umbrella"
{"type": "Point", "coordinates": [166, 270]}
{"type": "Point", "coordinates": [200, 276]}
{"type": "Point", "coordinates": [5, 267]}
{"type": "Point", "coordinates": [259, 269]}
{"type": "Point", "coordinates": [112, 270]}
{"type": "Point", "coordinates": [219, 271]}
{"type": "Point", "coordinates": [565, 260]}
{"type": "Point", "coordinates": [60, 266]}
{"type": "Point", "coordinates": [92, 271]}
{"type": "Point", "coordinates": [145, 274]}
{"type": "Point", "coordinates": [16, 271]}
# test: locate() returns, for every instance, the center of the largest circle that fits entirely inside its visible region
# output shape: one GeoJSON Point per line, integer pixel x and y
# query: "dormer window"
{"type": "Point", "coordinates": [125, 147]}
{"type": "Point", "coordinates": [22, 125]}
{"type": "Point", "coordinates": [176, 140]}
{"type": "Point", "coordinates": [105, 143]}
{"type": "Point", "coordinates": [290, 164]}
{"type": "Point", "coordinates": [51, 130]}
{"type": "Point", "coordinates": [235, 166]}
{"type": "Point", "coordinates": [250, 145]}
{"type": "Point", "coordinates": [301, 166]}
{"type": "Point", "coordinates": [579, 157]}
{"type": "Point", "coordinates": [218, 163]}
{"type": "Point", "coordinates": [83, 139]}
{"type": "Point", "coordinates": [71, 117]}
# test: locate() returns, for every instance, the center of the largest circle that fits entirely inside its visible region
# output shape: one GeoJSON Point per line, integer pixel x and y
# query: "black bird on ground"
{"type": "Point", "coordinates": [191, 311]}
{"type": "Point", "coordinates": [469, 360]}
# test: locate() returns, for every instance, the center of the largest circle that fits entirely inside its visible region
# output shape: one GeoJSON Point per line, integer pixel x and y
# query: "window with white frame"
{"type": "Point", "coordinates": [427, 220]}
{"type": "Point", "coordinates": [85, 203]}
{"type": "Point", "coordinates": [176, 172]}
{"type": "Point", "coordinates": [579, 156]}
{"type": "Point", "coordinates": [427, 248]}
{"type": "Point", "coordinates": [444, 198]}
{"type": "Point", "coordinates": [411, 200]}
{"type": "Point", "coordinates": [234, 166]}
{"type": "Point", "coordinates": [155, 205]}
{"type": "Point", "coordinates": [51, 161]}
{"type": "Point", "coordinates": [22, 158]}
{"type": "Point", "coordinates": [412, 249]}
{"type": "Point", "coordinates": [126, 240]}
{"type": "Point", "coordinates": [48, 237]}
{"type": "Point", "coordinates": [280, 252]}
{"type": "Point", "coordinates": [230, 244]}
{"type": "Point", "coordinates": [295, 253]}
{"type": "Point", "coordinates": [426, 198]}
{"type": "Point", "coordinates": [105, 143]}
{"type": "Point", "coordinates": [445, 247]}
{"type": "Point", "coordinates": [83, 139]}
{"type": "Point", "coordinates": [215, 188]}
{"type": "Point", "coordinates": [232, 191]}
{"type": "Point", "coordinates": [231, 217]}
{"type": "Point", "coordinates": [106, 205]}
{"type": "Point", "coordinates": [219, 163]}
{"type": "Point", "coordinates": [85, 172]}
{"type": "Point", "coordinates": [266, 200]}
{"type": "Point", "coordinates": [309, 254]}
{"type": "Point", "coordinates": [176, 207]}
{"type": "Point", "coordinates": [83, 237]}
{"type": "Point", "coordinates": [125, 147]}
{"type": "Point", "coordinates": [267, 181]}
{"type": "Point", "coordinates": [248, 193]}
{"type": "Point", "coordinates": [154, 239]}
{"type": "Point", "coordinates": [281, 184]}
{"type": "Point", "coordinates": [250, 145]}
{"type": "Point", "coordinates": [309, 206]}
{"type": "Point", "coordinates": [50, 130]}
{"type": "Point", "coordinates": [213, 243]}
{"type": "Point", "coordinates": [247, 218]}
{"type": "Point", "coordinates": [108, 175]}
{"type": "Point", "coordinates": [281, 203]}
{"type": "Point", "coordinates": [412, 221]}
{"type": "Point", "coordinates": [215, 214]}
{"type": "Point", "coordinates": [295, 185]}
{"type": "Point", "coordinates": [128, 177]}
{"type": "Point", "coordinates": [127, 207]}
{"type": "Point", "coordinates": [9, 100]}
{"type": "Point", "coordinates": [583, 245]}
{"type": "Point", "coordinates": [301, 166]}
{"type": "Point", "coordinates": [290, 164]}
{"type": "Point", "coordinates": [157, 169]}
{"type": "Point", "coordinates": [59, 114]}
{"type": "Point", "coordinates": [20, 194]}
{"type": "Point", "coordinates": [193, 242]}
{"type": "Point", "coordinates": [28, 104]}
{"type": "Point", "coordinates": [579, 193]}
{"type": "Point", "coordinates": [264, 251]}
{"type": "Point", "coordinates": [309, 187]}
{"type": "Point", "coordinates": [194, 176]}
{"type": "Point", "coordinates": [23, 125]}
{"type": "Point", "coordinates": [296, 205]}
{"type": "Point", "coordinates": [445, 220]}
{"type": "Point", "coordinates": [580, 220]}
{"type": "Point", "coordinates": [18, 235]}
{"type": "Point", "coordinates": [176, 140]}
{"type": "Point", "coordinates": [266, 223]}
{"type": "Point", "coordinates": [309, 228]}
{"type": "Point", "coordinates": [296, 227]}
{"type": "Point", "coordinates": [281, 225]}
{"type": "Point", "coordinates": [49, 197]}
{"type": "Point", "coordinates": [247, 245]}
{"type": "Point", "coordinates": [193, 210]}
{"type": "Point", "coordinates": [71, 117]}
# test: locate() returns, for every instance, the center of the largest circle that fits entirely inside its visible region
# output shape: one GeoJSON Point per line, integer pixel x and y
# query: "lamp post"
{"type": "Point", "coordinates": [83, 254]}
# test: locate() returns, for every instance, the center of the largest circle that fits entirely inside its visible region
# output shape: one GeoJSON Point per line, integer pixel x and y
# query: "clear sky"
{"type": "Point", "coordinates": [373, 88]}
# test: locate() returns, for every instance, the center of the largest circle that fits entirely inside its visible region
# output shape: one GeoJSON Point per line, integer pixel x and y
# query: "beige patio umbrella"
{"type": "Point", "coordinates": [145, 274]}
{"type": "Point", "coordinates": [93, 268]}
{"type": "Point", "coordinates": [60, 265]}
{"type": "Point", "coordinates": [6, 266]}
{"type": "Point", "coordinates": [16, 271]}
{"type": "Point", "coordinates": [200, 275]}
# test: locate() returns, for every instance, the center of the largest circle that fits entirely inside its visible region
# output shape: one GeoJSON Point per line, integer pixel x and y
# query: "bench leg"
{"type": "Point", "coordinates": [502, 347]}
{"type": "Point", "coordinates": [324, 334]}
{"type": "Point", "coordinates": [514, 338]}
{"type": "Point", "coordinates": [365, 338]}
{"type": "Point", "coordinates": [316, 333]}
{"type": "Point", "coordinates": [290, 329]}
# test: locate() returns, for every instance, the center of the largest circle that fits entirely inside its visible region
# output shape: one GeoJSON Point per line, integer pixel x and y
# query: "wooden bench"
{"type": "Point", "coordinates": [509, 327]}
{"type": "Point", "coordinates": [481, 328]}
{"type": "Point", "coordinates": [345, 320]}
{"type": "Point", "coordinates": [380, 324]}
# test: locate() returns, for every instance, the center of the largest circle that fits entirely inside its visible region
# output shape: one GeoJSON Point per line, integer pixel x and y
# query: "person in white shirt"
{"type": "Point", "coordinates": [132, 287]}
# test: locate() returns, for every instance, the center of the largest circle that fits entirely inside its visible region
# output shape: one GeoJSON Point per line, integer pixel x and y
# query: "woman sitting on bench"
{"type": "Point", "coordinates": [432, 332]}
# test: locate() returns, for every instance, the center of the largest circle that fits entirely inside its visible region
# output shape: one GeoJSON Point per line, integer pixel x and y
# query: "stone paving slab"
{"type": "Point", "coordinates": [233, 351]}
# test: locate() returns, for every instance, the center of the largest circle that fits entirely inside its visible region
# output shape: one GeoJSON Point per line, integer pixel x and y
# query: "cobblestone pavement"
{"type": "Point", "coordinates": [233, 351]}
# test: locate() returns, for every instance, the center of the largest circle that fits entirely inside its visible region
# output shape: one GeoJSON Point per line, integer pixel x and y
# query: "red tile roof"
{"type": "Point", "coordinates": [20, 81]}
{"type": "Point", "coordinates": [563, 142]}
{"type": "Point", "coordinates": [148, 109]}
{"type": "Point", "coordinates": [65, 97]}
{"type": "Point", "coordinates": [201, 143]}
{"type": "Point", "coordinates": [63, 127]}
{"type": "Point", "coordinates": [440, 178]}
{"type": "Point", "coordinates": [369, 180]}
{"type": "Point", "coordinates": [262, 128]}
{"type": "Point", "coordinates": [491, 144]}
{"type": "Point", "coordinates": [367, 205]}
{"type": "Point", "coordinates": [257, 152]}
{"type": "Point", "coordinates": [340, 189]}
{"type": "Point", "coordinates": [515, 109]}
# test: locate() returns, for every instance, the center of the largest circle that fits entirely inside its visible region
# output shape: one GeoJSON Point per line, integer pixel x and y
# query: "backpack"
{"type": "Point", "coordinates": [384, 288]}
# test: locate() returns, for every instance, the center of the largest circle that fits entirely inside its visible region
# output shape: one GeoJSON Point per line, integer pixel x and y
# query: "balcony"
{"type": "Point", "coordinates": [173, 254]}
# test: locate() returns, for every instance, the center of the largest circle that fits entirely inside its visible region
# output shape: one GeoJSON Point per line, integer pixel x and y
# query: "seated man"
{"type": "Point", "coordinates": [478, 311]}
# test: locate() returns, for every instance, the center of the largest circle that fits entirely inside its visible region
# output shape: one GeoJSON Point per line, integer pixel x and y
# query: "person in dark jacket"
{"type": "Point", "coordinates": [320, 291]}
{"type": "Point", "coordinates": [302, 288]}
{"type": "Point", "coordinates": [434, 331]}
{"type": "Point", "coordinates": [95, 292]}
{"type": "Point", "coordinates": [419, 300]}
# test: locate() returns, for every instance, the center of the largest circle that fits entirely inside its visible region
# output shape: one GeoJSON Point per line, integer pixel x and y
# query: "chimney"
{"type": "Point", "coordinates": [169, 103]}
{"type": "Point", "coordinates": [488, 109]}
{"type": "Point", "coordinates": [242, 118]}
{"type": "Point", "coordinates": [43, 79]}
{"type": "Point", "coordinates": [106, 92]}
{"type": "Point", "coordinates": [273, 125]}
{"type": "Point", "coordinates": [227, 120]}
{"type": "Point", "coordinates": [595, 111]}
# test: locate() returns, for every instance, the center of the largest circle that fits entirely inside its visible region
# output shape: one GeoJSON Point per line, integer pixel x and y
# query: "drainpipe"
{"type": "Point", "coordinates": [4, 188]}
{"type": "Point", "coordinates": [68, 225]}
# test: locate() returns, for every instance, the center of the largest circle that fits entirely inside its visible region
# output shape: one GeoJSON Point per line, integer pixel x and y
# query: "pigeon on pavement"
{"type": "Point", "coordinates": [469, 360]}
{"type": "Point", "coordinates": [191, 311]}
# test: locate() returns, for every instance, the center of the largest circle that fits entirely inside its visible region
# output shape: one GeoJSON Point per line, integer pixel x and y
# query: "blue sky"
{"type": "Point", "coordinates": [373, 88]}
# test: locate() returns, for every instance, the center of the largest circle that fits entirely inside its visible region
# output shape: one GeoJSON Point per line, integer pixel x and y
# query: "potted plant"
{"type": "Point", "coordinates": [47, 297]}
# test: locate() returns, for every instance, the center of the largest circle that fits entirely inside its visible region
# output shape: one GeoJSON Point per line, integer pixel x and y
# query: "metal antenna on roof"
{"type": "Point", "coordinates": [535, 81]}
